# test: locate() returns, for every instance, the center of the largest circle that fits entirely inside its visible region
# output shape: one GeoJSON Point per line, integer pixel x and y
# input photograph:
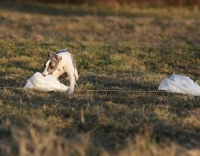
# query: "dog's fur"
{"type": "Point", "coordinates": [62, 63]}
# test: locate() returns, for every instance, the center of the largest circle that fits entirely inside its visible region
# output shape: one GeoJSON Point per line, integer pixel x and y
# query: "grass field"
{"type": "Point", "coordinates": [122, 54]}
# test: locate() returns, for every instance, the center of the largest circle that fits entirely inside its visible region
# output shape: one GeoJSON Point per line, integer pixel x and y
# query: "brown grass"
{"type": "Point", "coordinates": [115, 3]}
{"type": "Point", "coordinates": [122, 55]}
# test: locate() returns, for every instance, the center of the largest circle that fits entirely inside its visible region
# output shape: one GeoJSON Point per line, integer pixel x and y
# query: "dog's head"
{"type": "Point", "coordinates": [51, 64]}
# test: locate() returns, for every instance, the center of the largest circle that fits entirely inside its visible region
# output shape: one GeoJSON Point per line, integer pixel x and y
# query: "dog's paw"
{"type": "Point", "coordinates": [71, 92]}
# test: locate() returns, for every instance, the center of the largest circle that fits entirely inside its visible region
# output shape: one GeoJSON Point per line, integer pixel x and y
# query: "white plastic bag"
{"type": "Point", "coordinates": [45, 83]}
{"type": "Point", "coordinates": [180, 84]}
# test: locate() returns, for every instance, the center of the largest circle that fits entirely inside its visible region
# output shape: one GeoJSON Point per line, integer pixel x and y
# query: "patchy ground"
{"type": "Point", "coordinates": [122, 55]}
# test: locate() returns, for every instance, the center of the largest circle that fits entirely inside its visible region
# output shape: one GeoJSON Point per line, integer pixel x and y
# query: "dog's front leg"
{"type": "Point", "coordinates": [72, 83]}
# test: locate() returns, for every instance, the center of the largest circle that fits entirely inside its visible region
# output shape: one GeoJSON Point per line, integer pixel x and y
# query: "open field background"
{"type": "Point", "coordinates": [122, 2]}
{"type": "Point", "coordinates": [124, 49]}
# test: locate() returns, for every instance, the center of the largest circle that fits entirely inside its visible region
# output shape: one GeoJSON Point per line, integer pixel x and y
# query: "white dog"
{"type": "Point", "coordinates": [62, 63]}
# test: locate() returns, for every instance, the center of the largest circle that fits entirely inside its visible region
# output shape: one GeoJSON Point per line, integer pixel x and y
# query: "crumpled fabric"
{"type": "Point", "coordinates": [45, 83]}
{"type": "Point", "coordinates": [180, 84]}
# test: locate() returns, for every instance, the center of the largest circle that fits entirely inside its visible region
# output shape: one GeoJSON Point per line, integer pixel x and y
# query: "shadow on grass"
{"type": "Point", "coordinates": [114, 130]}
{"type": "Point", "coordinates": [52, 10]}
{"type": "Point", "coordinates": [113, 83]}
{"type": "Point", "coordinates": [106, 118]}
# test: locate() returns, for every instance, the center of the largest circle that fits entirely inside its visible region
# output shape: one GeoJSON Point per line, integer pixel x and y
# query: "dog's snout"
{"type": "Point", "coordinates": [44, 74]}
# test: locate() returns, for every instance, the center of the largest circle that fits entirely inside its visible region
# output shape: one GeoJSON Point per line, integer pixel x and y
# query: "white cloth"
{"type": "Point", "coordinates": [180, 84]}
{"type": "Point", "coordinates": [45, 83]}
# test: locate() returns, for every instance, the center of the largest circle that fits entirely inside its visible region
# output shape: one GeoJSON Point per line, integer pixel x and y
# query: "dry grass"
{"type": "Point", "coordinates": [129, 50]}
{"type": "Point", "coordinates": [123, 2]}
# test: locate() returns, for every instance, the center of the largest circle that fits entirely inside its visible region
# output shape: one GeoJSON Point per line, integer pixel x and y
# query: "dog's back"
{"type": "Point", "coordinates": [65, 55]}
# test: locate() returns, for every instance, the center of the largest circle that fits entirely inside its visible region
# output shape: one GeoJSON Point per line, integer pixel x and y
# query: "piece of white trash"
{"type": "Point", "coordinates": [45, 83]}
{"type": "Point", "coordinates": [180, 84]}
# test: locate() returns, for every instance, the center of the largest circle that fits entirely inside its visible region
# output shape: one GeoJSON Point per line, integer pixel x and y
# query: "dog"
{"type": "Point", "coordinates": [62, 63]}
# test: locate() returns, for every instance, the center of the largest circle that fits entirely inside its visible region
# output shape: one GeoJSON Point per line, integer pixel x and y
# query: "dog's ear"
{"type": "Point", "coordinates": [58, 57]}
{"type": "Point", "coordinates": [49, 55]}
